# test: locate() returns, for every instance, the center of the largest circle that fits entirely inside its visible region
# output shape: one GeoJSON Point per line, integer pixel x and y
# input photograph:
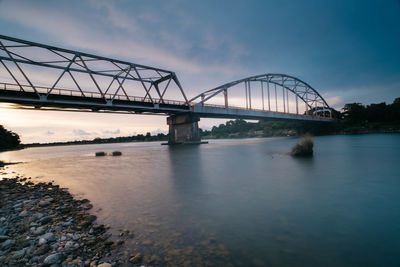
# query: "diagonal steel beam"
{"type": "Point", "coordinates": [23, 73]}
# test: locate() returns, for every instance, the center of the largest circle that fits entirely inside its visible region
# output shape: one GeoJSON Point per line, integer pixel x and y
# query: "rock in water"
{"type": "Point", "coordinates": [117, 153]}
{"type": "Point", "coordinates": [304, 148]}
{"type": "Point", "coordinates": [100, 154]}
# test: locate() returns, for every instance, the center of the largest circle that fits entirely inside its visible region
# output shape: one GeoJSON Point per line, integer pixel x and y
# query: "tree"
{"type": "Point", "coordinates": [8, 139]}
{"type": "Point", "coordinates": [354, 112]}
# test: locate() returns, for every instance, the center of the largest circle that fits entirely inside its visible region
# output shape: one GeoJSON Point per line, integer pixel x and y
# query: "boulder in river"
{"type": "Point", "coordinates": [117, 153]}
{"type": "Point", "coordinates": [304, 148]}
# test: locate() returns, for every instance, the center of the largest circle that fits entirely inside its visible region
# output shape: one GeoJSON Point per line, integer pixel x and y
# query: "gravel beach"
{"type": "Point", "coordinates": [41, 224]}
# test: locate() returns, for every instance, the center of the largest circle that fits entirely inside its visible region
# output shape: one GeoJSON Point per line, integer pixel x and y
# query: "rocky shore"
{"type": "Point", "coordinates": [43, 225]}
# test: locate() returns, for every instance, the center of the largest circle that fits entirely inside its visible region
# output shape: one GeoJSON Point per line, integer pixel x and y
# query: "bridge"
{"type": "Point", "coordinates": [39, 76]}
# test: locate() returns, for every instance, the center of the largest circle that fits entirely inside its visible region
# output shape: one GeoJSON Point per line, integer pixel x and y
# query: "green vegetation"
{"type": "Point", "coordinates": [8, 139]}
{"type": "Point", "coordinates": [381, 117]}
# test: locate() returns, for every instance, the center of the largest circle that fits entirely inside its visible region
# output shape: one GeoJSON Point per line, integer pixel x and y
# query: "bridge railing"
{"type": "Point", "coordinates": [263, 110]}
{"type": "Point", "coordinates": [68, 92]}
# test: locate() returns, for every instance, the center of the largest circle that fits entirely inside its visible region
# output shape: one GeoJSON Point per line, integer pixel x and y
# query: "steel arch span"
{"type": "Point", "coordinates": [278, 92]}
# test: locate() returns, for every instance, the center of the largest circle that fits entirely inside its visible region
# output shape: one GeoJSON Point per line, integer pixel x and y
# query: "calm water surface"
{"type": "Point", "coordinates": [243, 202]}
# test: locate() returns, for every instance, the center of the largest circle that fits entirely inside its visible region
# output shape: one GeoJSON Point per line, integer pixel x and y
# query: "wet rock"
{"type": "Point", "coordinates": [42, 241]}
{"type": "Point", "coordinates": [23, 229]}
{"type": "Point", "coordinates": [40, 230]}
{"type": "Point", "coordinates": [19, 254]}
{"type": "Point", "coordinates": [47, 237]}
{"type": "Point", "coordinates": [70, 245]}
{"type": "Point", "coordinates": [23, 213]}
{"type": "Point", "coordinates": [41, 250]}
{"type": "Point", "coordinates": [136, 259]}
{"type": "Point", "coordinates": [45, 202]}
{"type": "Point", "coordinates": [39, 216]}
{"type": "Point", "coordinates": [147, 242]}
{"type": "Point", "coordinates": [45, 220]}
{"type": "Point", "coordinates": [7, 244]}
{"type": "Point", "coordinates": [53, 258]}
{"type": "Point", "coordinates": [3, 230]}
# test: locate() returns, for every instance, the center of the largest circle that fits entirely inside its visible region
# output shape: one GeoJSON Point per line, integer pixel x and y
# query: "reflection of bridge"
{"type": "Point", "coordinates": [85, 82]}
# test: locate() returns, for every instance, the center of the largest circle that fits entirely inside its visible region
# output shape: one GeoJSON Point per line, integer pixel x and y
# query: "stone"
{"type": "Point", "coordinates": [66, 224]}
{"type": "Point", "coordinates": [45, 220]}
{"type": "Point", "coordinates": [44, 203]}
{"type": "Point", "coordinates": [147, 242]}
{"type": "Point", "coordinates": [3, 231]}
{"type": "Point", "coordinates": [41, 250]}
{"type": "Point", "coordinates": [39, 216]}
{"type": "Point", "coordinates": [40, 230]}
{"type": "Point", "coordinates": [23, 213]}
{"type": "Point", "coordinates": [70, 245]}
{"type": "Point", "coordinates": [49, 236]}
{"type": "Point", "coordinates": [136, 259]}
{"type": "Point", "coordinates": [104, 264]}
{"type": "Point", "coordinates": [3, 238]}
{"type": "Point", "coordinates": [42, 241]}
{"type": "Point", "coordinates": [8, 243]}
{"type": "Point", "coordinates": [53, 258]}
{"type": "Point", "coordinates": [63, 238]}
{"type": "Point", "coordinates": [19, 254]}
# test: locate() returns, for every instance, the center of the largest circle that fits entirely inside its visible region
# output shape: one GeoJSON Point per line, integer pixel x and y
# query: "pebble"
{"type": "Point", "coordinates": [8, 243]}
{"type": "Point", "coordinates": [104, 264]}
{"type": "Point", "coordinates": [40, 230]}
{"type": "Point", "coordinates": [41, 250]}
{"type": "Point", "coordinates": [19, 254]}
{"type": "Point", "coordinates": [137, 258]}
{"type": "Point", "coordinates": [53, 258]}
{"type": "Point", "coordinates": [55, 236]}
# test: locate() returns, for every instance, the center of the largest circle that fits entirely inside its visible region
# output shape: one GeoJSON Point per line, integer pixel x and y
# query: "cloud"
{"type": "Point", "coordinates": [81, 132]}
{"type": "Point", "coordinates": [118, 131]}
{"type": "Point", "coordinates": [117, 34]}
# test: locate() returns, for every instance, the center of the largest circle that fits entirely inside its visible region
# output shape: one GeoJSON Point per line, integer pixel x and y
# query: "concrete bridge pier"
{"type": "Point", "coordinates": [184, 129]}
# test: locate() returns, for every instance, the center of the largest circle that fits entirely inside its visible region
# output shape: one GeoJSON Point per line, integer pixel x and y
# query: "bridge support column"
{"type": "Point", "coordinates": [184, 129]}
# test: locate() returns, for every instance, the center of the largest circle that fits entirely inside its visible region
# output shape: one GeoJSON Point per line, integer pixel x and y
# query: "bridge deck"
{"type": "Point", "coordinates": [70, 100]}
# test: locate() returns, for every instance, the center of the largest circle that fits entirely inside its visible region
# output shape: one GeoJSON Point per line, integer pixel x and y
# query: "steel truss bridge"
{"type": "Point", "coordinates": [38, 76]}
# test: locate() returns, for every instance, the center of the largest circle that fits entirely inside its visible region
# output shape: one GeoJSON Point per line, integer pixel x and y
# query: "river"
{"type": "Point", "coordinates": [242, 202]}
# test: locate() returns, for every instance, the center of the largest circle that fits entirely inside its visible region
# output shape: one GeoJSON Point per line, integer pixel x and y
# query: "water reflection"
{"type": "Point", "coordinates": [244, 202]}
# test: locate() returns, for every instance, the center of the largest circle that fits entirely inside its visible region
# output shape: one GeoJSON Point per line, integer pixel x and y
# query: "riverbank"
{"type": "Point", "coordinates": [42, 224]}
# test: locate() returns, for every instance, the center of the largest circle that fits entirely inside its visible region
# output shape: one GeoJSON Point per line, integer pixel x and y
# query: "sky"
{"type": "Point", "coordinates": [347, 50]}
